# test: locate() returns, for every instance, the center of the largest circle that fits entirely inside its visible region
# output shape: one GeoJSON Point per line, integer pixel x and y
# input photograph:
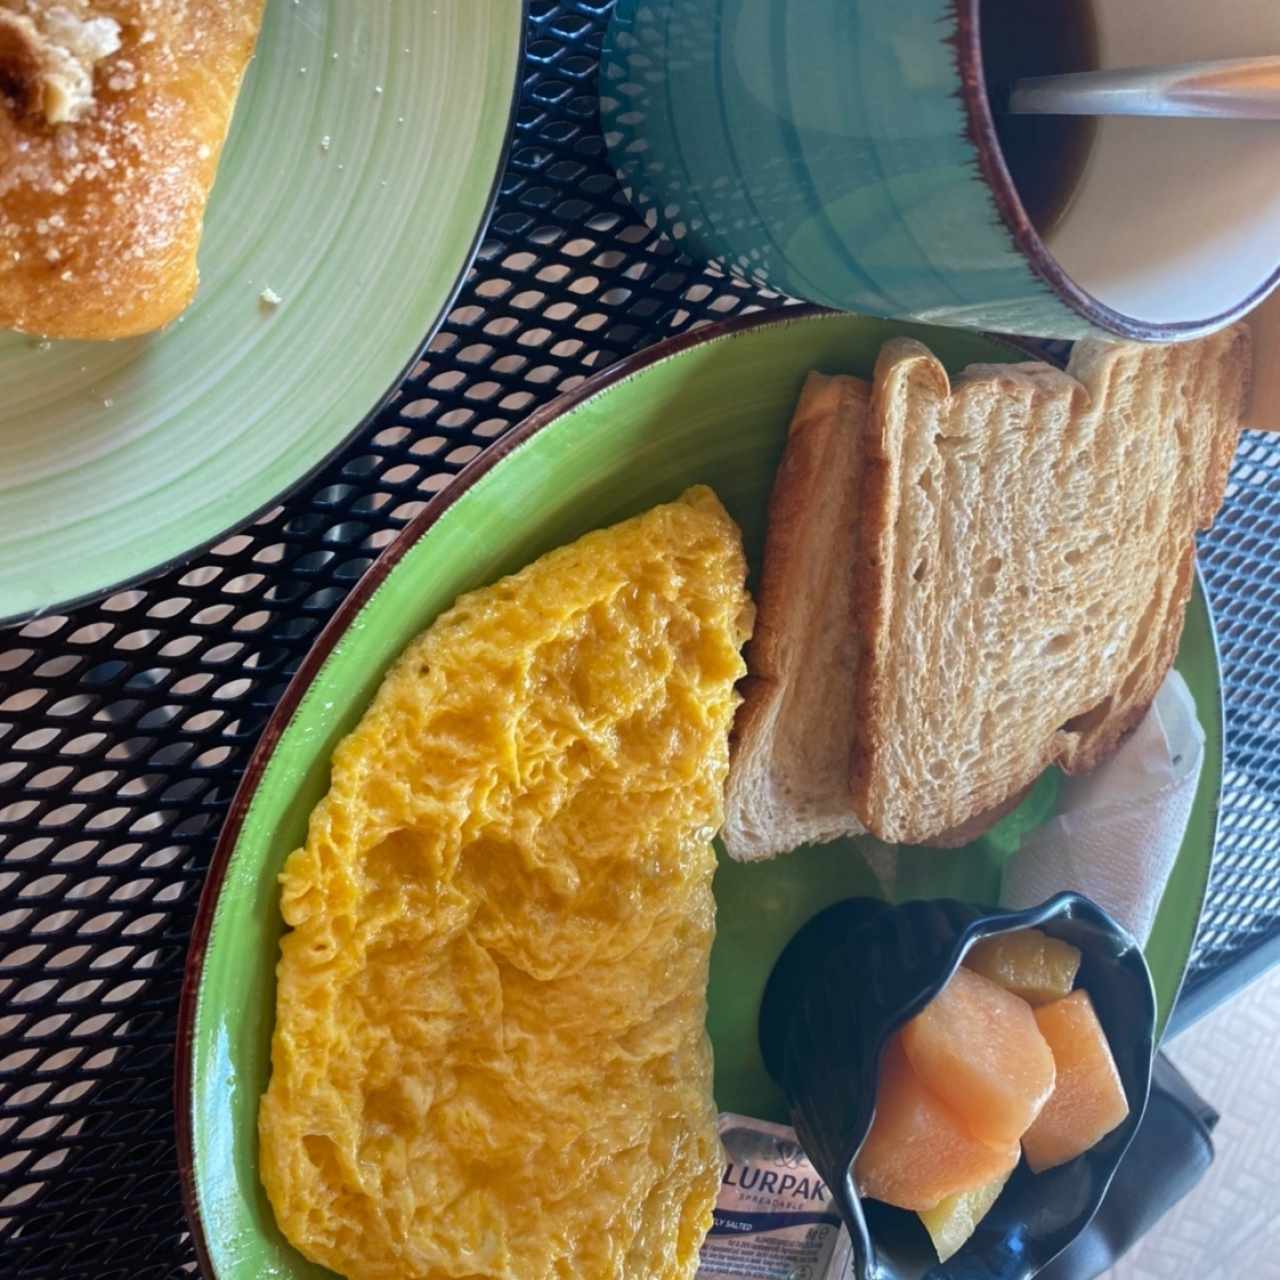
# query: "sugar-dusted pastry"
{"type": "Point", "coordinates": [112, 117]}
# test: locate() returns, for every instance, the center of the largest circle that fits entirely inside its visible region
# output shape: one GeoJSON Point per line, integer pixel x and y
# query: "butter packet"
{"type": "Point", "coordinates": [774, 1218]}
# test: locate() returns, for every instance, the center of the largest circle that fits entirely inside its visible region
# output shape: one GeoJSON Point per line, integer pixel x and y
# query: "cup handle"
{"type": "Point", "coordinates": [1263, 413]}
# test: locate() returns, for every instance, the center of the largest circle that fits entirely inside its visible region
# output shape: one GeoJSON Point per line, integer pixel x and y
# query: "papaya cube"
{"type": "Point", "coordinates": [1088, 1100]}
{"type": "Point", "coordinates": [953, 1220]}
{"type": "Point", "coordinates": [917, 1152]}
{"type": "Point", "coordinates": [977, 1047]}
{"type": "Point", "coordinates": [1029, 963]}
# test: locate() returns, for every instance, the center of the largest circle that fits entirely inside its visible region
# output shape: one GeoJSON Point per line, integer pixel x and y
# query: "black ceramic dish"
{"type": "Point", "coordinates": [862, 968]}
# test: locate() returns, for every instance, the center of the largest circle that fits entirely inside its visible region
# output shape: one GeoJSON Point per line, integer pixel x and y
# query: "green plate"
{"type": "Point", "coordinates": [116, 458]}
{"type": "Point", "coordinates": [711, 407]}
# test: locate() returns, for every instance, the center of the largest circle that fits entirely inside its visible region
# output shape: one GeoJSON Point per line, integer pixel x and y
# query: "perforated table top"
{"type": "Point", "coordinates": [124, 726]}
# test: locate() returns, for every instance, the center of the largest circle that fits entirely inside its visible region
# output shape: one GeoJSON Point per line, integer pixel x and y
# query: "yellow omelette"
{"type": "Point", "coordinates": [489, 1056]}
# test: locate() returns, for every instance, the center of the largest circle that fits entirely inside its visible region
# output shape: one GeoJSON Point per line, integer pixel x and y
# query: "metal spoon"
{"type": "Point", "coordinates": [1232, 89]}
{"type": "Point", "coordinates": [1229, 89]}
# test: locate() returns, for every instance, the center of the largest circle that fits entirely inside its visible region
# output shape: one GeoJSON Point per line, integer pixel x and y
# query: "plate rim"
{"type": "Point", "coordinates": [349, 610]}
{"type": "Point", "coordinates": [184, 558]}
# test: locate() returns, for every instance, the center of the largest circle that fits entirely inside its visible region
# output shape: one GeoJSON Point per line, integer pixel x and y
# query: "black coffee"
{"type": "Point", "coordinates": [1046, 155]}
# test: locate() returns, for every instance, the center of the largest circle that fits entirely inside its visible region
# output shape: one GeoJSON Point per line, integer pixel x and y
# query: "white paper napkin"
{"type": "Point", "coordinates": [1119, 829]}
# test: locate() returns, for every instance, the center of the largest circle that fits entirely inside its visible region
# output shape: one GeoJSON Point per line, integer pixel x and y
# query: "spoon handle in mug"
{"type": "Point", "coordinates": [1229, 89]}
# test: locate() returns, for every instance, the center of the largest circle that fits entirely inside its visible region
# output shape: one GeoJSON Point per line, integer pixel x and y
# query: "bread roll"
{"type": "Point", "coordinates": [112, 118]}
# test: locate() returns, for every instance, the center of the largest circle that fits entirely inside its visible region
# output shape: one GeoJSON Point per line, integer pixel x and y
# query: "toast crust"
{"type": "Point", "coordinates": [793, 733]}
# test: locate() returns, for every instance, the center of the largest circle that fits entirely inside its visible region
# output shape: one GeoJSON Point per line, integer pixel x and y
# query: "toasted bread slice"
{"type": "Point", "coordinates": [789, 784]}
{"type": "Point", "coordinates": [1024, 559]}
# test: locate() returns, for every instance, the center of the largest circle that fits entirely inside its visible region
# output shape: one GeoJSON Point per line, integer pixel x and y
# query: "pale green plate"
{"type": "Point", "coordinates": [116, 458]}
{"type": "Point", "coordinates": [710, 407]}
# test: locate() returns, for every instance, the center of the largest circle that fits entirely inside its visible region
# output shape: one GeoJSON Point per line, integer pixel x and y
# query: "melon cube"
{"type": "Point", "coordinates": [977, 1047]}
{"type": "Point", "coordinates": [1029, 963]}
{"type": "Point", "coordinates": [953, 1220]}
{"type": "Point", "coordinates": [1088, 1100]}
{"type": "Point", "coordinates": [918, 1153]}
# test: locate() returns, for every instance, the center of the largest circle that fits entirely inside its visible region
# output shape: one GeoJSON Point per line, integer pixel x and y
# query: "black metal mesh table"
{"type": "Point", "coordinates": [124, 726]}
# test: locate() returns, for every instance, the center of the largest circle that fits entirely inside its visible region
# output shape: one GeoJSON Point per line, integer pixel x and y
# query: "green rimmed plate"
{"type": "Point", "coordinates": [712, 406]}
{"type": "Point", "coordinates": [357, 181]}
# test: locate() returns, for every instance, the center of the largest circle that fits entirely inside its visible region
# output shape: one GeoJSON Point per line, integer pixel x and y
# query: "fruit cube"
{"type": "Point", "coordinates": [1029, 963]}
{"type": "Point", "coordinates": [918, 1153]}
{"type": "Point", "coordinates": [978, 1049]}
{"type": "Point", "coordinates": [1088, 1100]}
{"type": "Point", "coordinates": [953, 1220]}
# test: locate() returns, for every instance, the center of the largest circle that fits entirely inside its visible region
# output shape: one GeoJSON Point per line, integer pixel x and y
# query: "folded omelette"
{"type": "Point", "coordinates": [489, 1056]}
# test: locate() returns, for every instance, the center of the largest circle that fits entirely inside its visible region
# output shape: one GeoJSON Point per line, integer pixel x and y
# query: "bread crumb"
{"type": "Point", "coordinates": [270, 298]}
